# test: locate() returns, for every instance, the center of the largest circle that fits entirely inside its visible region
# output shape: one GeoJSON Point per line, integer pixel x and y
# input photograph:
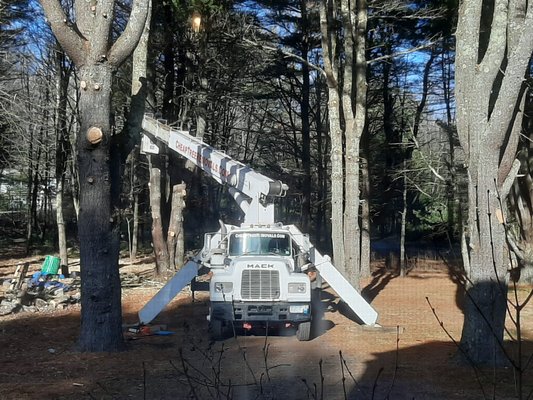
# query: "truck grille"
{"type": "Point", "coordinates": [260, 284]}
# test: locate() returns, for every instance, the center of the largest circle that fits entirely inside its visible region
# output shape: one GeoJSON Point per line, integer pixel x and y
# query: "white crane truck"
{"type": "Point", "coordinates": [260, 271]}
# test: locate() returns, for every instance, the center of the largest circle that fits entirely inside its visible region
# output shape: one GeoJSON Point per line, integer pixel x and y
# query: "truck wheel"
{"type": "Point", "coordinates": [216, 329]}
{"type": "Point", "coordinates": [303, 333]}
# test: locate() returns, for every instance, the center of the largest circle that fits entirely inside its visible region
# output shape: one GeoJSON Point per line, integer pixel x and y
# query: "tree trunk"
{"type": "Point", "coordinates": [75, 186]}
{"type": "Point", "coordinates": [101, 314]}
{"type": "Point", "coordinates": [355, 122]}
{"type": "Point", "coordinates": [352, 238]}
{"type": "Point", "coordinates": [61, 234]}
{"type": "Point", "coordinates": [365, 212]}
{"type": "Point", "coordinates": [329, 40]}
{"type": "Point", "coordinates": [486, 300]}
{"type": "Point", "coordinates": [33, 189]}
{"type": "Point", "coordinates": [494, 46]}
{"type": "Point", "coordinates": [453, 207]}
{"type": "Point", "coordinates": [88, 43]}
{"type": "Point", "coordinates": [393, 152]}
{"type": "Point", "coordinates": [62, 149]}
{"type": "Point", "coordinates": [175, 229]}
{"type": "Point", "coordinates": [29, 197]}
{"type": "Point", "coordinates": [168, 106]}
{"type": "Point", "coordinates": [321, 213]}
{"type": "Point", "coordinates": [46, 207]}
{"type": "Point", "coordinates": [158, 237]}
{"type": "Point", "coordinates": [403, 266]}
{"type": "Point", "coordinates": [135, 229]}
{"type": "Point", "coordinates": [351, 156]}
{"type": "Point", "coordinates": [306, 130]}
{"type": "Point", "coordinates": [139, 94]}
{"type": "Point", "coordinates": [337, 182]}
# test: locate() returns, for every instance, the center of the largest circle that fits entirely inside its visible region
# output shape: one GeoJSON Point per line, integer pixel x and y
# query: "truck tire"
{"type": "Point", "coordinates": [303, 334]}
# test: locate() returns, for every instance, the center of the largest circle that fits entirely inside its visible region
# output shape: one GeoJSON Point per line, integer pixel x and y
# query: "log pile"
{"type": "Point", "coordinates": [41, 293]}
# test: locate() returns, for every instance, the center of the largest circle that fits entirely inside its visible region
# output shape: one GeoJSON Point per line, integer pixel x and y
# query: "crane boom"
{"type": "Point", "coordinates": [252, 191]}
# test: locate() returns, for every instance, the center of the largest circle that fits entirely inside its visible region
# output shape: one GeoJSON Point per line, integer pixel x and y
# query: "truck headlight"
{"type": "Point", "coordinates": [297, 287]}
{"type": "Point", "coordinates": [223, 287]}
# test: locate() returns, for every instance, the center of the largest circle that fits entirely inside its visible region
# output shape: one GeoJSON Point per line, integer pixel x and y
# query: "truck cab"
{"type": "Point", "coordinates": [257, 281]}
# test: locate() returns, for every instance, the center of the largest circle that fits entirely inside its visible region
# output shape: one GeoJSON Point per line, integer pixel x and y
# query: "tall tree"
{"type": "Point", "coordinates": [345, 70]}
{"type": "Point", "coordinates": [494, 45]}
{"type": "Point", "coordinates": [63, 72]}
{"type": "Point", "coordinates": [132, 128]}
{"type": "Point", "coordinates": [86, 39]}
{"type": "Point", "coordinates": [328, 16]}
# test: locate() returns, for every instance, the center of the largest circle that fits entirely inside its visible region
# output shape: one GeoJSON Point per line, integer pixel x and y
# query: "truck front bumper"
{"type": "Point", "coordinates": [261, 311]}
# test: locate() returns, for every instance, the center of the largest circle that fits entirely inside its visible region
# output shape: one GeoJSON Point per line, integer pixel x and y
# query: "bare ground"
{"type": "Point", "coordinates": [411, 357]}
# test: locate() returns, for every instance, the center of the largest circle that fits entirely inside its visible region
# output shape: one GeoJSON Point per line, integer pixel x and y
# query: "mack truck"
{"type": "Point", "coordinates": [262, 273]}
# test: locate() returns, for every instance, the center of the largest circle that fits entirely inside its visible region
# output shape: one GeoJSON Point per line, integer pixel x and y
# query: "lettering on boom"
{"type": "Point", "coordinates": [205, 162]}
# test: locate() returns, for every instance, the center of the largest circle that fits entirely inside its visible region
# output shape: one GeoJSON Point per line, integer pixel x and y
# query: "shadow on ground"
{"type": "Point", "coordinates": [432, 371]}
{"type": "Point", "coordinates": [184, 364]}
{"type": "Point", "coordinates": [380, 278]}
{"type": "Point", "coordinates": [38, 361]}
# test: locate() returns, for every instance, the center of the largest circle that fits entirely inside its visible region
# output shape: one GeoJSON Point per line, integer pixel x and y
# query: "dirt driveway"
{"type": "Point", "coordinates": [410, 357]}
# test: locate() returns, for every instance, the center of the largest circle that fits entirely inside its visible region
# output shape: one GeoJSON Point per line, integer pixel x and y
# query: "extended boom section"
{"type": "Point", "coordinates": [250, 189]}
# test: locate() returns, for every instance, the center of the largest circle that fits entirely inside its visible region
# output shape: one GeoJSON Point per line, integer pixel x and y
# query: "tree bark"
{"type": "Point", "coordinates": [489, 79]}
{"type": "Point", "coordinates": [306, 129]}
{"type": "Point", "coordinates": [336, 134]}
{"type": "Point", "coordinates": [88, 43]}
{"type": "Point", "coordinates": [135, 229]}
{"type": "Point", "coordinates": [354, 84]}
{"type": "Point", "coordinates": [486, 301]}
{"type": "Point", "coordinates": [101, 324]}
{"type": "Point", "coordinates": [158, 237]}
{"type": "Point", "coordinates": [30, 203]}
{"type": "Point", "coordinates": [365, 213]}
{"type": "Point", "coordinates": [139, 95]}
{"type": "Point", "coordinates": [175, 241]}
{"type": "Point", "coordinates": [168, 105]}
{"type": "Point", "coordinates": [321, 214]}
{"type": "Point", "coordinates": [393, 151]}
{"type": "Point", "coordinates": [451, 184]}
{"type": "Point", "coordinates": [345, 193]}
{"type": "Point", "coordinates": [403, 266]}
{"type": "Point", "coordinates": [62, 149]}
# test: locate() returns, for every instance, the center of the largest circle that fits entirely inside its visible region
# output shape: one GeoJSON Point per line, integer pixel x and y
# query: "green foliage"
{"type": "Point", "coordinates": [428, 217]}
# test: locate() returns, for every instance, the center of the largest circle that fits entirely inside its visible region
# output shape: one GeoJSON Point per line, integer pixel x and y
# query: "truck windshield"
{"type": "Point", "coordinates": [254, 243]}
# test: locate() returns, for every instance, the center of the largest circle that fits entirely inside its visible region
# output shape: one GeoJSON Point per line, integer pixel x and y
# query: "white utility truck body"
{"type": "Point", "coordinates": [260, 271]}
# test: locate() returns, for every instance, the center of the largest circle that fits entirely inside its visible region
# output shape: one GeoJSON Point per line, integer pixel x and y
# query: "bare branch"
{"type": "Point", "coordinates": [433, 170]}
{"type": "Point", "coordinates": [66, 32]}
{"type": "Point", "coordinates": [128, 40]}
{"type": "Point", "coordinates": [286, 54]}
{"type": "Point", "coordinates": [427, 45]}
{"type": "Point", "coordinates": [511, 176]}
